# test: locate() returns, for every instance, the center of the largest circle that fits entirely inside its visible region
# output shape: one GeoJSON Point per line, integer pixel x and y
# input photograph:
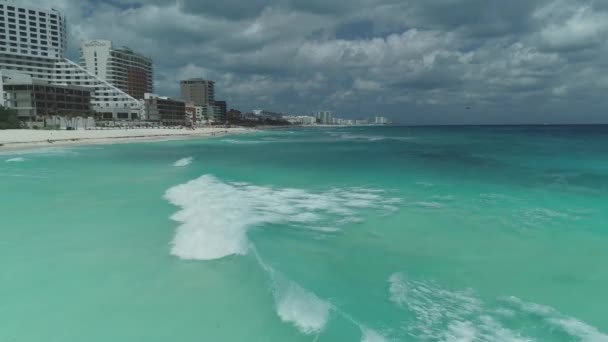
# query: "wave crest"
{"type": "Point", "coordinates": [302, 308]}
{"type": "Point", "coordinates": [214, 216]}
{"type": "Point", "coordinates": [183, 162]}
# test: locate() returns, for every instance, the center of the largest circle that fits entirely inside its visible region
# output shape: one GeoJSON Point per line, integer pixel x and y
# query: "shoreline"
{"type": "Point", "coordinates": [26, 139]}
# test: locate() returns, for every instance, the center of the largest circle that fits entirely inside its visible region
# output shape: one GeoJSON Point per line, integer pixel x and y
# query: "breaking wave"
{"type": "Point", "coordinates": [183, 162]}
{"type": "Point", "coordinates": [294, 304]}
{"type": "Point", "coordinates": [366, 137]}
{"type": "Point", "coordinates": [304, 309]}
{"type": "Point", "coordinates": [15, 160]}
{"type": "Point", "coordinates": [556, 320]}
{"type": "Point", "coordinates": [307, 312]}
{"type": "Point", "coordinates": [214, 216]}
{"type": "Point", "coordinates": [446, 315]}
{"type": "Point", "coordinates": [244, 142]}
{"type": "Point", "coordinates": [369, 335]}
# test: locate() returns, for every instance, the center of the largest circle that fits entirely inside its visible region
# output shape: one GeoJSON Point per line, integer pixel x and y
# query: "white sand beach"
{"type": "Point", "coordinates": [20, 139]}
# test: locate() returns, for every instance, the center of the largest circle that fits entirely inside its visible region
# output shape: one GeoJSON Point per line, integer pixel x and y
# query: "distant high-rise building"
{"type": "Point", "coordinates": [120, 66]}
{"type": "Point", "coordinates": [221, 109]}
{"type": "Point", "coordinates": [198, 91]}
{"type": "Point", "coordinates": [234, 115]}
{"type": "Point", "coordinates": [381, 120]}
{"type": "Point", "coordinates": [325, 117]}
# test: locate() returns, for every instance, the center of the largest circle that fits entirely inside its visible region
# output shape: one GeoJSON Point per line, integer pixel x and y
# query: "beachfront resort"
{"type": "Point", "coordinates": [110, 85]}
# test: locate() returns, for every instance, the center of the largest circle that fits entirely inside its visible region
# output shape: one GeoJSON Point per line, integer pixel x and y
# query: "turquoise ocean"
{"type": "Point", "coordinates": [329, 234]}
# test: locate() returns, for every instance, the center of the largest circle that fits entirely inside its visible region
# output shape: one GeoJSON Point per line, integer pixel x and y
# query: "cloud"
{"type": "Point", "coordinates": [577, 28]}
{"type": "Point", "coordinates": [418, 61]}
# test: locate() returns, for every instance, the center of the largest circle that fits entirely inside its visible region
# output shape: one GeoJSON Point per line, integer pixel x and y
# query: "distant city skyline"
{"type": "Point", "coordinates": [432, 62]}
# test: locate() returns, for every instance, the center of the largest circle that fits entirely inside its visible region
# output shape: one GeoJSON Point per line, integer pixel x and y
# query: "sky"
{"type": "Point", "coordinates": [416, 61]}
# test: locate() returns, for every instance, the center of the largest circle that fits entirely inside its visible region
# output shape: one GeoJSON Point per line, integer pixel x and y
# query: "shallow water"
{"type": "Point", "coordinates": [338, 234]}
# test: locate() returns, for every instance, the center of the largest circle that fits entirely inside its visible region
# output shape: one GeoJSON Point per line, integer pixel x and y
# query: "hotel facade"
{"type": "Point", "coordinates": [33, 41]}
{"type": "Point", "coordinates": [120, 66]}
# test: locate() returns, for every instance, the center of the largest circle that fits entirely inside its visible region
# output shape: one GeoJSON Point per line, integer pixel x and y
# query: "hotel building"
{"type": "Point", "coordinates": [33, 98]}
{"type": "Point", "coordinates": [198, 91]}
{"type": "Point", "coordinates": [165, 110]}
{"type": "Point", "coordinates": [33, 42]}
{"type": "Point", "coordinates": [120, 66]}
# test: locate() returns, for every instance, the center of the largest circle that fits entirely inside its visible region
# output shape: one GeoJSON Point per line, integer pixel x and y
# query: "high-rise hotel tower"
{"type": "Point", "coordinates": [33, 41]}
{"type": "Point", "coordinates": [119, 66]}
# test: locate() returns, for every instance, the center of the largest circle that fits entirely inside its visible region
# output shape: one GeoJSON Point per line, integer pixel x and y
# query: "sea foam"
{"type": "Point", "coordinates": [307, 312]}
{"type": "Point", "coordinates": [15, 160]}
{"type": "Point", "coordinates": [304, 309]}
{"type": "Point", "coordinates": [214, 216]}
{"type": "Point", "coordinates": [448, 315]}
{"type": "Point", "coordinates": [570, 325]}
{"type": "Point", "coordinates": [368, 335]}
{"type": "Point", "coordinates": [183, 162]}
{"type": "Point", "coordinates": [244, 142]}
{"type": "Point", "coordinates": [294, 304]}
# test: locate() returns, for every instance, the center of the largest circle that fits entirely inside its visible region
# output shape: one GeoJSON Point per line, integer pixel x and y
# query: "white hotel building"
{"type": "Point", "coordinates": [33, 41]}
{"type": "Point", "coordinates": [119, 66]}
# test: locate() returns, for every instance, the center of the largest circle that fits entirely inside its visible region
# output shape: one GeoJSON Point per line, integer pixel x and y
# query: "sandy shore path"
{"type": "Point", "coordinates": [21, 139]}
